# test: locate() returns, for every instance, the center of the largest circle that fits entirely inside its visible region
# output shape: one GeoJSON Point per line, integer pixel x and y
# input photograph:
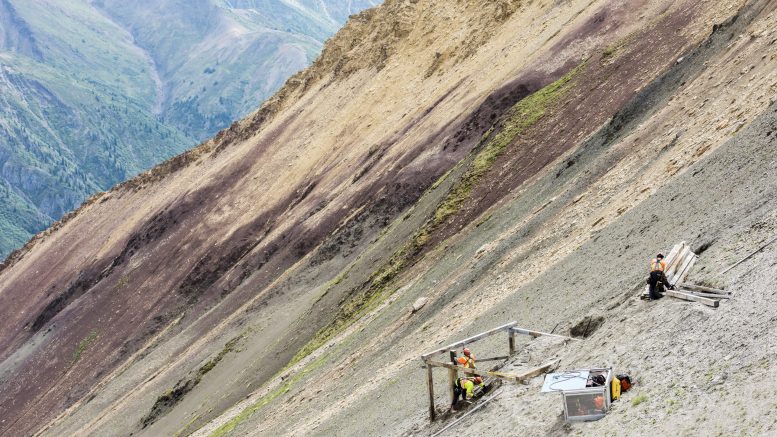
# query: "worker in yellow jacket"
{"type": "Point", "coordinates": [468, 360]}
{"type": "Point", "coordinates": [464, 387]}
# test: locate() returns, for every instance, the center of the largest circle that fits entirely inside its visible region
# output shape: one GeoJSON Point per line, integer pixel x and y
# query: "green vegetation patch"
{"type": "Point", "coordinates": [609, 52]}
{"type": "Point", "coordinates": [231, 346]}
{"type": "Point", "coordinates": [379, 286]}
{"type": "Point", "coordinates": [520, 117]}
{"type": "Point", "coordinates": [266, 399]}
{"type": "Point", "coordinates": [83, 345]}
{"type": "Point", "coordinates": [122, 282]}
{"type": "Point", "coordinates": [173, 396]}
{"type": "Point", "coordinates": [639, 399]}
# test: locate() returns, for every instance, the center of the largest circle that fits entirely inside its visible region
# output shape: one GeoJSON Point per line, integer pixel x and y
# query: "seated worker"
{"type": "Point", "coordinates": [463, 387]}
{"type": "Point", "coordinates": [657, 279]}
{"type": "Point", "coordinates": [468, 360]}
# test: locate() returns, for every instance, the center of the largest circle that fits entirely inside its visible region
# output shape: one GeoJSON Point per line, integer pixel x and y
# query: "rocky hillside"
{"type": "Point", "coordinates": [504, 160]}
{"type": "Point", "coordinates": [92, 93]}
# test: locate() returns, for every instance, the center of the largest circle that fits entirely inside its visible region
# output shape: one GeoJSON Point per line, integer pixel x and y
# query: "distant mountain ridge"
{"type": "Point", "coordinates": [93, 92]}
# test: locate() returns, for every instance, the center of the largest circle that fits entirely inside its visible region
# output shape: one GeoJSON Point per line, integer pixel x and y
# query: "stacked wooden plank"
{"type": "Point", "coordinates": [678, 264]}
{"type": "Point", "coordinates": [697, 293]}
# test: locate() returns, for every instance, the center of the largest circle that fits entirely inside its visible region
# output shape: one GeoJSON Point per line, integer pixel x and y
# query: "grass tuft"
{"type": "Point", "coordinates": [83, 345]}
{"type": "Point", "coordinates": [609, 52]}
{"type": "Point", "coordinates": [639, 399]}
{"type": "Point", "coordinates": [122, 282]}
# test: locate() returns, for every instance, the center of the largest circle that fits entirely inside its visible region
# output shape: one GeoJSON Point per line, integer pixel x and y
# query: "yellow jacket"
{"type": "Point", "coordinates": [467, 385]}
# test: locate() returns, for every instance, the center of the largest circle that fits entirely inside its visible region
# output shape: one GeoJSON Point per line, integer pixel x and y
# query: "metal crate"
{"type": "Point", "coordinates": [581, 401]}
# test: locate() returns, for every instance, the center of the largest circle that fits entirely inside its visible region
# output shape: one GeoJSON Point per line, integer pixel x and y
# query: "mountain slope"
{"type": "Point", "coordinates": [69, 126]}
{"type": "Point", "coordinates": [93, 93]}
{"type": "Point", "coordinates": [505, 161]}
{"type": "Point", "coordinates": [221, 59]}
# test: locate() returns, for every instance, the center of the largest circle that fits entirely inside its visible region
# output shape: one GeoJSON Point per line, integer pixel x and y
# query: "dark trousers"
{"type": "Point", "coordinates": [656, 284]}
{"type": "Point", "coordinates": [458, 391]}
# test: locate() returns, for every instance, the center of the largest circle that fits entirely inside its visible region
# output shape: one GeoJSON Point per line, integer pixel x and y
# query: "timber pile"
{"type": "Point", "coordinates": [678, 264]}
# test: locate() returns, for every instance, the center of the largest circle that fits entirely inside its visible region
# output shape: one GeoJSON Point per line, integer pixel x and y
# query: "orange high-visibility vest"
{"type": "Point", "coordinates": [599, 402]}
{"type": "Point", "coordinates": [468, 362]}
{"type": "Point", "coordinates": [657, 265]}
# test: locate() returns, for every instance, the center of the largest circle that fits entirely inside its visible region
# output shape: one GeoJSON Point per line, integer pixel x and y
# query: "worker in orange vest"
{"type": "Point", "coordinates": [658, 263]}
{"type": "Point", "coordinates": [464, 387]}
{"type": "Point", "coordinates": [657, 279]}
{"type": "Point", "coordinates": [468, 360]}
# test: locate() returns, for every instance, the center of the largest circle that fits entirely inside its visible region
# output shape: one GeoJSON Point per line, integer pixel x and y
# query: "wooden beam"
{"type": "Point", "coordinates": [536, 334]}
{"type": "Point", "coordinates": [467, 341]}
{"type": "Point", "coordinates": [475, 372]}
{"type": "Point", "coordinates": [709, 295]}
{"type": "Point", "coordinates": [695, 287]}
{"type": "Point", "coordinates": [538, 370]}
{"type": "Point", "coordinates": [680, 274]}
{"type": "Point", "coordinates": [671, 258]}
{"type": "Point", "coordinates": [673, 269]}
{"type": "Point", "coordinates": [511, 342]}
{"type": "Point", "coordinates": [430, 383]}
{"type": "Point", "coordinates": [673, 252]}
{"type": "Point", "coordinates": [690, 297]}
{"type": "Point", "coordinates": [501, 375]}
{"type": "Point", "coordinates": [483, 360]}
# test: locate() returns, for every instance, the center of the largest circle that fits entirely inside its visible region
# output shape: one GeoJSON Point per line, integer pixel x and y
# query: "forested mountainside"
{"type": "Point", "coordinates": [441, 169]}
{"type": "Point", "coordinates": [93, 92]}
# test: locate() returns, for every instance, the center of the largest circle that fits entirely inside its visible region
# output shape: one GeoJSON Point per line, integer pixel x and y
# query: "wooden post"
{"type": "Point", "coordinates": [430, 383]}
{"type": "Point", "coordinates": [511, 342]}
{"type": "Point", "coordinates": [453, 373]}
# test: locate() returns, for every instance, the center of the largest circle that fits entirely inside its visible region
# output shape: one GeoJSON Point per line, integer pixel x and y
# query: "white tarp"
{"type": "Point", "coordinates": [564, 381]}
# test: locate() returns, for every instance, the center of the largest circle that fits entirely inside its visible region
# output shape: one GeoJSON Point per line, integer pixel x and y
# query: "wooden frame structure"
{"type": "Point", "coordinates": [512, 330]}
